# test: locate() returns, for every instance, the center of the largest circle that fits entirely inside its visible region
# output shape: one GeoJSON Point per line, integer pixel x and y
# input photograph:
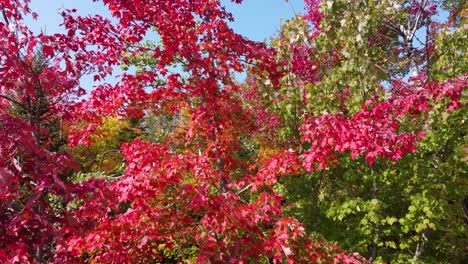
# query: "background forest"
{"type": "Point", "coordinates": [346, 142]}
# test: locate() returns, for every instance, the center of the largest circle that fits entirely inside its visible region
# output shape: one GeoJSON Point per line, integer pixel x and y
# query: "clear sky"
{"type": "Point", "coordinates": [255, 19]}
{"type": "Point", "coordinates": [259, 19]}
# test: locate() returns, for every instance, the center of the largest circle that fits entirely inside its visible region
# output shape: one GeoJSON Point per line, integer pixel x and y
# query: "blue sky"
{"type": "Point", "coordinates": [256, 19]}
{"type": "Point", "coordinates": [259, 19]}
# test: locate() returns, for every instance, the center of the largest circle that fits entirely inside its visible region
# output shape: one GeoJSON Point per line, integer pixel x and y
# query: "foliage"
{"type": "Point", "coordinates": [103, 154]}
{"type": "Point", "coordinates": [366, 126]}
{"type": "Point", "coordinates": [328, 139]}
{"type": "Point", "coordinates": [35, 95]}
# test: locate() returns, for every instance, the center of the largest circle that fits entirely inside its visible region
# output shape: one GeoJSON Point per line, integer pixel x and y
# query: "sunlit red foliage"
{"type": "Point", "coordinates": [168, 202]}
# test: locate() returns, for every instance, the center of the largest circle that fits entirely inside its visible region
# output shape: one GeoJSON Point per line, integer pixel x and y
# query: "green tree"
{"type": "Point", "coordinates": [409, 210]}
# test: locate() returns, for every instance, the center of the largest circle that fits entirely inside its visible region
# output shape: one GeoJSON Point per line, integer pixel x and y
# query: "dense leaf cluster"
{"type": "Point", "coordinates": [348, 132]}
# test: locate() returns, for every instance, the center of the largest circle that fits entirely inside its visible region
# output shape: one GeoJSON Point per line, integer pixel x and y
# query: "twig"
{"type": "Point", "coordinates": [245, 188]}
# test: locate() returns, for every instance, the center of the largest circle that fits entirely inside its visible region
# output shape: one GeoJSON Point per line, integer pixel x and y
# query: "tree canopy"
{"type": "Point", "coordinates": [345, 143]}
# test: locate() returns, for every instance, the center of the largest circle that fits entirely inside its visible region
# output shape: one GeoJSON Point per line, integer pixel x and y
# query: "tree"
{"type": "Point", "coordinates": [171, 204]}
{"type": "Point", "coordinates": [179, 204]}
{"type": "Point", "coordinates": [35, 94]}
{"type": "Point", "coordinates": [345, 114]}
{"type": "Point", "coordinates": [360, 117]}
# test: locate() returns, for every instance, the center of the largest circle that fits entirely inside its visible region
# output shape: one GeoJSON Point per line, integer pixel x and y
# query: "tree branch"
{"type": "Point", "coordinates": [12, 100]}
{"type": "Point", "coordinates": [5, 17]}
{"type": "Point", "coordinates": [420, 246]}
{"type": "Point", "coordinates": [418, 17]}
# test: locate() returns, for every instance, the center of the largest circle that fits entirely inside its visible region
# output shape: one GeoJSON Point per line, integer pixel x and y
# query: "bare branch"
{"type": "Point", "coordinates": [418, 17]}
{"type": "Point", "coordinates": [5, 17]}
{"type": "Point", "coordinates": [420, 246]}
{"type": "Point", "coordinates": [244, 189]}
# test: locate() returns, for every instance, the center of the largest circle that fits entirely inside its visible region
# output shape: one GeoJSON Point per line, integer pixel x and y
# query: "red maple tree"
{"type": "Point", "coordinates": [170, 204]}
